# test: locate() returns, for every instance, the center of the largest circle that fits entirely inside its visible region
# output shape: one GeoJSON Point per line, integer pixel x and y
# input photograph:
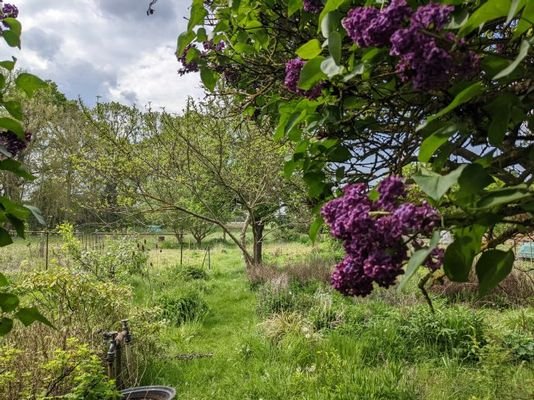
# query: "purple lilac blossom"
{"type": "Point", "coordinates": [293, 68]}
{"type": "Point", "coordinates": [374, 234]}
{"type": "Point", "coordinates": [13, 144]}
{"type": "Point", "coordinates": [368, 26]}
{"type": "Point", "coordinates": [313, 6]}
{"type": "Point", "coordinates": [431, 16]}
{"type": "Point", "coordinates": [187, 66]}
{"type": "Point", "coordinates": [10, 11]}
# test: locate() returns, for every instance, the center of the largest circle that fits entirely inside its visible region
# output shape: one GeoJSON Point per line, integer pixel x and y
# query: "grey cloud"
{"type": "Point", "coordinates": [86, 80]}
{"type": "Point", "coordinates": [130, 96]}
{"type": "Point", "coordinates": [136, 9]}
{"type": "Point", "coordinates": [45, 44]}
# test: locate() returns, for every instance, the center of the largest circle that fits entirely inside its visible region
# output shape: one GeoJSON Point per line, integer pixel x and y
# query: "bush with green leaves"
{"type": "Point", "coordinates": [72, 371]}
{"type": "Point", "coordinates": [76, 302]}
{"type": "Point", "coordinates": [181, 306]}
{"type": "Point", "coordinates": [119, 258]}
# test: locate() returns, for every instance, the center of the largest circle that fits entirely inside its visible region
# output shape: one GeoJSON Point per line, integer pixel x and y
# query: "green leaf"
{"type": "Point", "coordinates": [315, 228]}
{"type": "Point", "coordinates": [339, 153]}
{"type": "Point", "coordinates": [523, 51]}
{"type": "Point", "coordinates": [488, 11]}
{"type": "Point", "coordinates": [309, 50]}
{"type": "Point", "coordinates": [5, 238]}
{"type": "Point", "coordinates": [12, 36]}
{"type": "Point", "coordinates": [314, 181]}
{"type": "Point", "coordinates": [330, 5]}
{"type": "Point", "coordinates": [13, 208]}
{"type": "Point", "coordinates": [37, 214]}
{"type": "Point", "coordinates": [8, 302]}
{"type": "Point", "coordinates": [3, 280]}
{"type": "Point", "coordinates": [183, 40]}
{"type": "Point", "coordinates": [334, 46]}
{"type": "Point", "coordinates": [526, 21]}
{"type": "Point", "coordinates": [6, 324]}
{"type": "Point", "coordinates": [9, 65]}
{"type": "Point", "coordinates": [473, 179]}
{"type": "Point", "coordinates": [436, 140]}
{"type": "Point", "coordinates": [29, 83]}
{"type": "Point", "coordinates": [209, 78]}
{"type": "Point", "coordinates": [500, 111]}
{"type": "Point", "coordinates": [29, 315]}
{"type": "Point", "coordinates": [435, 185]}
{"type": "Point", "coordinates": [500, 197]}
{"type": "Point", "coordinates": [17, 168]}
{"type": "Point", "coordinates": [311, 73]}
{"type": "Point", "coordinates": [492, 267]}
{"type": "Point", "coordinates": [14, 108]}
{"type": "Point", "coordinates": [464, 96]}
{"type": "Point", "coordinates": [417, 259]}
{"type": "Point", "coordinates": [198, 13]}
{"type": "Point", "coordinates": [293, 6]}
{"type": "Point", "coordinates": [460, 254]}
{"type": "Point", "coordinates": [10, 124]}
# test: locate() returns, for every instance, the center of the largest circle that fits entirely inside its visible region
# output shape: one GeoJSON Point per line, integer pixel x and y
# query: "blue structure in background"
{"type": "Point", "coordinates": [526, 251]}
{"type": "Point", "coordinates": [155, 228]}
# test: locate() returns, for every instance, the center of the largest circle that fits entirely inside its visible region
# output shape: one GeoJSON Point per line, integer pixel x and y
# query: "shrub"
{"type": "Point", "coordinates": [183, 307]}
{"type": "Point", "coordinates": [72, 371]}
{"type": "Point", "coordinates": [77, 302]}
{"type": "Point", "coordinates": [194, 273]}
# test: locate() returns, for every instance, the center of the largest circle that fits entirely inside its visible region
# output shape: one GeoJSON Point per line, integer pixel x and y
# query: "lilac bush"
{"type": "Point", "coordinates": [376, 234]}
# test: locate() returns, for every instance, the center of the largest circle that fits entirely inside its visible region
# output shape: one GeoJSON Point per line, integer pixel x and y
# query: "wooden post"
{"type": "Point", "coordinates": [181, 253]}
{"type": "Point", "coordinates": [209, 258]}
{"type": "Point", "coordinates": [46, 251]}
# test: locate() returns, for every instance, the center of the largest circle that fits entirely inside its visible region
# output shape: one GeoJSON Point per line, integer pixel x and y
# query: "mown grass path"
{"type": "Point", "coordinates": [231, 318]}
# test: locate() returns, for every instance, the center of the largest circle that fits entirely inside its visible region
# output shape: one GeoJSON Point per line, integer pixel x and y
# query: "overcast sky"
{"type": "Point", "coordinates": [107, 48]}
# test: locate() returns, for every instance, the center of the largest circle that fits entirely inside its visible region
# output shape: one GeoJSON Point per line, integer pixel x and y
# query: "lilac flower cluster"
{"type": "Point", "coordinates": [187, 66]}
{"type": "Point", "coordinates": [313, 6]}
{"type": "Point", "coordinates": [293, 68]}
{"type": "Point", "coordinates": [368, 26]}
{"type": "Point", "coordinates": [428, 61]}
{"type": "Point", "coordinates": [9, 11]}
{"type": "Point", "coordinates": [13, 144]}
{"type": "Point", "coordinates": [209, 45]}
{"type": "Point", "coordinates": [375, 235]}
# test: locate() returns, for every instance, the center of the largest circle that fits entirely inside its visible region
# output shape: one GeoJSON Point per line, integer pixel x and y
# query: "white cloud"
{"type": "Point", "coordinates": [107, 48]}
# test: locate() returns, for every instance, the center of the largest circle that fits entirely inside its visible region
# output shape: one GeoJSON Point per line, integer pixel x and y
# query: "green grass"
{"type": "Point", "coordinates": [369, 357]}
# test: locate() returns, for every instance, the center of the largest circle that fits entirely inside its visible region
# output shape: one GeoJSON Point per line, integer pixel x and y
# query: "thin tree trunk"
{"type": "Point", "coordinates": [257, 230]}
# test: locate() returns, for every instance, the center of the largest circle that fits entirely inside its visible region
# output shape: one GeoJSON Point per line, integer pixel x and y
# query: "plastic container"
{"type": "Point", "coordinates": [149, 393]}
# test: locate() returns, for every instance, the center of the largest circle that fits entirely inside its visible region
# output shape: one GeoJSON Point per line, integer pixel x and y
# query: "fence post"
{"type": "Point", "coordinates": [209, 258]}
{"type": "Point", "coordinates": [46, 250]}
{"type": "Point", "coordinates": [181, 253]}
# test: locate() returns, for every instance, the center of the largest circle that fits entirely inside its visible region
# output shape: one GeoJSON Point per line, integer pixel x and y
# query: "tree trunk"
{"type": "Point", "coordinates": [257, 231]}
